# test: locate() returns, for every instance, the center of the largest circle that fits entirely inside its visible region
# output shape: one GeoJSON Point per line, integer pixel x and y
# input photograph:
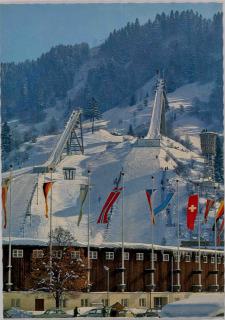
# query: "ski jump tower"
{"type": "Point", "coordinates": [158, 122]}
{"type": "Point", "coordinates": [208, 146]}
{"type": "Point", "coordinates": [70, 142]}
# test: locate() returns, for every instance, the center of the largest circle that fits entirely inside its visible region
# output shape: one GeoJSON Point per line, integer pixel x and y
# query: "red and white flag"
{"type": "Point", "coordinates": [192, 211]}
{"type": "Point", "coordinates": [112, 197]}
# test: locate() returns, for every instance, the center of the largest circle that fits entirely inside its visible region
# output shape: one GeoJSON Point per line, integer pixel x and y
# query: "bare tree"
{"type": "Point", "coordinates": [68, 271]}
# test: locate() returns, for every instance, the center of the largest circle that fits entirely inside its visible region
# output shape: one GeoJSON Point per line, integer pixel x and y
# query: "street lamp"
{"type": "Point", "coordinates": [107, 270]}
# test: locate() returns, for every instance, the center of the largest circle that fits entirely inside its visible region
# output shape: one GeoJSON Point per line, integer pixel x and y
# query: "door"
{"type": "Point", "coordinates": [39, 305]}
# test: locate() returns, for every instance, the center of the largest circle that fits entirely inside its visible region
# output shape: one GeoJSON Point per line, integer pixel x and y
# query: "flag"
{"type": "Point", "coordinates": [219, 214]}
{"type": "Point", "coordinates": [220, 211]}
{"type": "Point", "coordinates": [192, 211]}
{"type": "Point", "coordinates": [5, 187]}
{"type": "Point", "coordinates": [83, 194]}
{"type": "Point", "coordinates": [220, 231]}
{"type": "Point", "coordinates": [209, 205]}
{"type": "Point", "coordinates": [111, 199]}
{"type": "Point", "coordinates": [148, 195]}
{"type": "Point", "coordinates": [46, 188]}
{"type": "Point", "coordinates": [164, 204]}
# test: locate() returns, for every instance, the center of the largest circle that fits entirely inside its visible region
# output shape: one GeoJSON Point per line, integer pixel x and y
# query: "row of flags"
{"type": "Point", "coordinates": [192, 205]}
{"type": "Point", "coordinates": [192, 211]}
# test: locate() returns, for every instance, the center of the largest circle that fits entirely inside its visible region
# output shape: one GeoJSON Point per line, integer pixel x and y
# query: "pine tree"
{"type": "Point", "coordinates": [219, 169]}
{"type": "Point", "coordinates": [6, 139]}
{"type": "Point", "coordinates": [130, 131]}
{"type": "Point", "coordinates": [93, 112]}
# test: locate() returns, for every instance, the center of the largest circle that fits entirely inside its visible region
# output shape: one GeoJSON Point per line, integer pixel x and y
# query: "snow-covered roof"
{"type": "Point", "coordinates": [113, 245]}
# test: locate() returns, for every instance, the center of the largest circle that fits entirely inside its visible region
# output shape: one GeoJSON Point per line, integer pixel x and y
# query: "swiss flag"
{"type": "Point", "coordinates": [192, 211]}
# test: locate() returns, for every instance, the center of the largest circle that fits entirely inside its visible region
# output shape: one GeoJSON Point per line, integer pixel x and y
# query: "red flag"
{"type": "Point", "coordinates": [220, 211]}
{"type": "Point", "coordinates": [148, 195]}
{"type": "Point", "coordinates": [5, 188]}
{"type": "Point", "coordinates": [209, 205]}
{"type": "Point", "coordinates": [46, 187]}
{"type": "Point", "coordinates": [192, 211]}
{"type": "Point", "coordinates": [113, 196]}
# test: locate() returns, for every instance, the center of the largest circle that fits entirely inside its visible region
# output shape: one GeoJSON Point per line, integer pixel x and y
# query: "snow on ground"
{"type": "Point", "coordinates": [180, 101]}
{"type": "Point", "coordinates": [191, 91]}
{"type": "Point", "coordinates": [41, 149]}
{"type": "Point", "coordinates": [105, 155]}
{"type": "Point", "coordinates": [201, 305]}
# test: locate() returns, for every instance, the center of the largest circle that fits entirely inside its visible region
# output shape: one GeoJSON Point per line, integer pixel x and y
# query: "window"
{"type": "Point", "coordinates": [219, 260]}
{"type": "Point", "coordinates": [57, 254]}
{"type": "Point", "coordinates": [109, 255]}
{"type": "Point", "coordinates": [69, 173]}
{"type": "Point", "coordinates": [15, 303]}
{"type": "Point", "coordinates": [205, 259]}
{"type": "Point", "coordinates": [187, 258]}
{"type": "Point", "coordinates": [197, 258]}
{"type": "Point", "coordinates": [124, 302]}
{"type": "Point", "coordinates": [105, 302]}
{"type": "Point", "coordinates": [38, 254]}
{"type": "Point", "coordinates": [212, 259]}
{"type": "Point", "coordinates": [139, 256]}
{"type": "Point", "coordinates": [126, 256]}
{"type": "Point", "coordinates": [159, 302]}
{"type": "Point", "coordinates": [75, 255]}
{"type": "Point", "coordinates": [93, 255]}
{"type": "Point", "coordinates": [154, 256]}
{"type": "Point", "coordinates": [166, 257]}
{"type": "Point", "coordinates": [84, 303]}
{"type": "Point", "coordinates": [142, 302]}
{"type": "Point", "coordinates": [17, 253]}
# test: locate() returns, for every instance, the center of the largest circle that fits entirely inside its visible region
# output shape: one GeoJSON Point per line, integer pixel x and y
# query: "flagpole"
{"type": "Point", "coordinates": [199, 246]}
{"type": "Point", "coordinates": [178, 239]}
{"type": "Point", "coordinates": [88, 226]}
{"type": "Point", "coordinates": [37, 187]}
{"type": "Point", "coordinates": [215, 235]}
{"type": "Point", "coordinates": [122, 227]}
{"type": "Point", "coordinates": [50, 231]}
{"type": "Point", "coordinates": [152, 236]}
{"type": "Point", "coordinates": [9, 284]}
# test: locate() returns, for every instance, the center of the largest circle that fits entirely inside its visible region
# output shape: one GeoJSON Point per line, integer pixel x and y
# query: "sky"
{"type": "Point", "coordinates": [27, 31]}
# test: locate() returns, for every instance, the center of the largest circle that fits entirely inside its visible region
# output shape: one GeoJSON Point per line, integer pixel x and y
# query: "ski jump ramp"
{"type": "Point", "coordinates": [157, 123]}
{"type": "Point", "coordinates": [71, 140]}
{"type": "Point", "coordinates": [66, 138]}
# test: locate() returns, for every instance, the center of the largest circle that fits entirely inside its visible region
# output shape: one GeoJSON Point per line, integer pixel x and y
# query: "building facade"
{"type": "Point", "coordinates": [138, 269]}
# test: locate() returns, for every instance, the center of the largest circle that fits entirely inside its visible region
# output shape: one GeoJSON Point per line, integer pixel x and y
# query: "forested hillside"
{"type": "Point", "coordinates": [185, 45]}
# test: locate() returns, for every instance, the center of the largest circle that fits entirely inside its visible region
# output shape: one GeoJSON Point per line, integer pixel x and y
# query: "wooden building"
{"type": "Point", "coordinates": [137, 267]}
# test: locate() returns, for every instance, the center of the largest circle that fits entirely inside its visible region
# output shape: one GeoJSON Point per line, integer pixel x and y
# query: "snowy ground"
{"type": "Point", "coordinates": [105, 155]}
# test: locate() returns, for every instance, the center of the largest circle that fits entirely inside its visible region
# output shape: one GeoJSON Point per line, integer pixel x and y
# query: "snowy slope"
{"type": "Point", "coordinates": [105, 155]}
